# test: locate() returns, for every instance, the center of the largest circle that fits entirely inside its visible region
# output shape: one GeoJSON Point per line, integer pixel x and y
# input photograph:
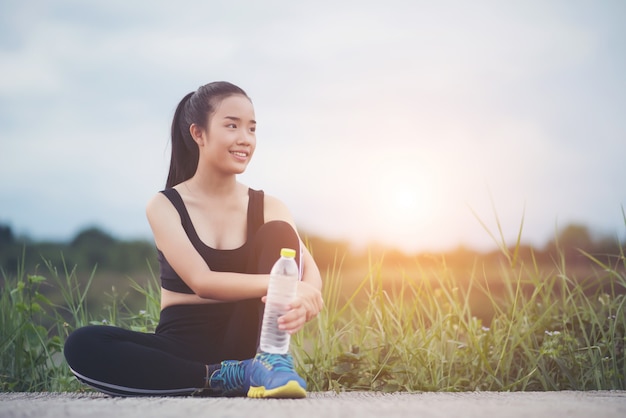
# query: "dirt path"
{"type": "Point", "coordinates": [602, 404]}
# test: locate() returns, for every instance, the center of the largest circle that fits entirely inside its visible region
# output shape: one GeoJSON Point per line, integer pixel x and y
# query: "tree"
{"type": "Point", "coordinates": [92, 246]}
{"type": "Point", "coordinates": [6, 236]}
{"type": "Point", "coordinates": [574, 237]}
{"type": "Point", "coordinates": [571, 240]}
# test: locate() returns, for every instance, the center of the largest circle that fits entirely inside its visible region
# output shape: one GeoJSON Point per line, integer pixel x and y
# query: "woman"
{"type": "Point", "coordinates": [217, 240]}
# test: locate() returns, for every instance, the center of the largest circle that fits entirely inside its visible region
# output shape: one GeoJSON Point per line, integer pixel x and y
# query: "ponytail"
{"type": "Point", "coordinates": [194, 108]}
{"type": "Point", "coordinates": [184, 159]}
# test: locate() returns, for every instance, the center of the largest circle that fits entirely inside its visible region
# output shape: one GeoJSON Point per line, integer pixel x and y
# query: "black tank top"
{"type": "Point", "coordinates": [218, 260]}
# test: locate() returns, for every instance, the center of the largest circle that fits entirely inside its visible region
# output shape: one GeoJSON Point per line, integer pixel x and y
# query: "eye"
{"type": "Point", "coordinates": [253, 129]}
{"type": "Point", "coordinates": [231, 125]}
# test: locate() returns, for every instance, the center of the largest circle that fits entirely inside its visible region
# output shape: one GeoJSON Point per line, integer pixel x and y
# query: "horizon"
{"type": "Point", "coordinates": [595, 237]}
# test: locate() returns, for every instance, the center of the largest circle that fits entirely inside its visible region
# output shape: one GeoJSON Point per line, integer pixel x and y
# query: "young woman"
{"type": "Point", "coordinates": [217, 240]}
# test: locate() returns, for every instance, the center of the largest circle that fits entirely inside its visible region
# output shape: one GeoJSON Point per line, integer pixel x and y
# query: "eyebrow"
{"type": "Point", "coordinates": [236, 119]}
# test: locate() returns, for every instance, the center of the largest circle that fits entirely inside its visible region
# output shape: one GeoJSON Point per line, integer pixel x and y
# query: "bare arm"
{"type": "Point", "coordinates": [309, 302]}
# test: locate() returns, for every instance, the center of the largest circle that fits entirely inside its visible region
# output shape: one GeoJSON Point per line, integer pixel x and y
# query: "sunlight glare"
{"type": "Point", "coordinates": [405, 207]}
{"type": "Point", "coordinates": [404, 200]}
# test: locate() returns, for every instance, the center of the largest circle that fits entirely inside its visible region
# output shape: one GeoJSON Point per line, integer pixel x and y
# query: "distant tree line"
{"type": "Point", "coordinates": [572, 242]}
{"type": "Point", "coordinates": [94, 248]}
{"type": "Point", "coordinates": [90, 248]}
{"type": "Point", "coordinates": [112, 262]}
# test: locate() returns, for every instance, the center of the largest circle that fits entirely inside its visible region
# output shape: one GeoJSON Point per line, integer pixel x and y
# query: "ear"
{"type": "Point", "coordinates": [197, 133]}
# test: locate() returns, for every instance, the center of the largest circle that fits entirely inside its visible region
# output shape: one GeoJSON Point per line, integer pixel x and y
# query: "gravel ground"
{"type": "Point", "coordinates": [599, 404]}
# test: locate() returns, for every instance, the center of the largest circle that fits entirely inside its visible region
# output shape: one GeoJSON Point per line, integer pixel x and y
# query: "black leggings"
{"type": "Point", "coordinates": [173, 360]}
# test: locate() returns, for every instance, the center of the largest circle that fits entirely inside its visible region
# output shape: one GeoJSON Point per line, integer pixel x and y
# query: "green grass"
{"type": "Point", "coordinates": [546, 332]}
{"type": "Point", "coordinates": [427, 329]}
{"type": "Point", "coordinates": [33, 327]}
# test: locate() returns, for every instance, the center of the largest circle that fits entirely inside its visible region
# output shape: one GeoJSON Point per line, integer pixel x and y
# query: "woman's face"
{"type": "Point", "coordinates": [230, 140]}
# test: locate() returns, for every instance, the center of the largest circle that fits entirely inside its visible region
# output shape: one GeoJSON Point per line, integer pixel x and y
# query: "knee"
{"type": "Point", "coordinates": [269, 239]}
{"type": "Point", "coordinates": [277, 231]}
{"type": "Point", "coordinates": [274, 235]}
{"type": "Point", "coordinates": [79, 344]}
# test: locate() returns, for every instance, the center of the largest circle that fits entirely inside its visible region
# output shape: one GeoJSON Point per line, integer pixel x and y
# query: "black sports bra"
{"type": "Point", "coordinates": [217, 260]}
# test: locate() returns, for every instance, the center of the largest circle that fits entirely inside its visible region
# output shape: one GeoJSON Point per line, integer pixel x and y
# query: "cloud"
{"type": "Point", "coordinates": [522, 100]}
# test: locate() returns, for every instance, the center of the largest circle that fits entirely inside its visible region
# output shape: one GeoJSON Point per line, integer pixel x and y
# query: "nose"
{"type": "Point", "coordinates": [245, 137]}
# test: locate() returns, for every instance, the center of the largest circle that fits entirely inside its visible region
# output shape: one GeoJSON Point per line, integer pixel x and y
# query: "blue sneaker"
{"type": "Point", "coordinates": [232, 379]}
{"type": "Point", "coordinates": [273, 376]}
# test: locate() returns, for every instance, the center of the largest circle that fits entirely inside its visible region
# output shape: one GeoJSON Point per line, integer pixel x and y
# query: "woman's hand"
{"type": "Point", "coordinates": [306, 306]}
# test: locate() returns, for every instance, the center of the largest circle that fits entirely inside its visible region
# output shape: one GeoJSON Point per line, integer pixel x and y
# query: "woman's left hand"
{"type": "Point", "coordinates": [295, 318]}
{"type": "Point", "coordinates": [306, 306]}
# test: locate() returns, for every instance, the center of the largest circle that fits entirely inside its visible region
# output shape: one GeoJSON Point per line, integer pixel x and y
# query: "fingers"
{"type": "Point", "coordinates": [302, 309]}
{"type": "Point", "coordinates": [312, 307]}
{"type": "Point", "coordinates": [293, 320]}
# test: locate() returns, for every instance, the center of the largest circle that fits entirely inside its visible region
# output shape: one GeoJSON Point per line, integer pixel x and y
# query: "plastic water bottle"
{"type": "Point", "coordinates": [280, 292]}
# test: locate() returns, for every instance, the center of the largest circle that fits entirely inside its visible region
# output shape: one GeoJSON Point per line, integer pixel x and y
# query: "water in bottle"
{"type": "Point", "coordinates": [280, 292]}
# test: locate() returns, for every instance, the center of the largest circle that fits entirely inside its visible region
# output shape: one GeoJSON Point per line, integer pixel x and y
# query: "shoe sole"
{"type": "Point", "coordinates": [291, 390]}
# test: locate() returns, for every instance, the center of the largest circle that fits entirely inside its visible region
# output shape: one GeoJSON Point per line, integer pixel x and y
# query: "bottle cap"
{"type": "Point", "coordinates": [288, 252]}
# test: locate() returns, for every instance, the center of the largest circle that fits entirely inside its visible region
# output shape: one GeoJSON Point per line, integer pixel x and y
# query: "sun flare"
{"type": "Point", "coordinates": [404, 200]}
{"type": "Point", "coordinates": [404, 208]}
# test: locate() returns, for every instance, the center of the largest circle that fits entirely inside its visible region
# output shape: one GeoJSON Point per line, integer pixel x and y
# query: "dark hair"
{"type": "Point", "coordinates": [195, 108]}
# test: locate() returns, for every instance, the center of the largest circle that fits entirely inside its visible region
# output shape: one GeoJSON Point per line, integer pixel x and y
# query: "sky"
{"type": "Point", "coordinates": [416, 124]}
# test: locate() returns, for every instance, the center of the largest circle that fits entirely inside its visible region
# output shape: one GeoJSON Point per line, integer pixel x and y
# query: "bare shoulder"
{"type": "Point", "coordinates": [276, 210]}
{"type": "Point", "coordinates": [159, 206]}
{"type": "Point", "coordinates": [155, 203]}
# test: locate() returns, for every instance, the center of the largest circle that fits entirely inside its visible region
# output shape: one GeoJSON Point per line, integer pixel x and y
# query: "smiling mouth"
{"type": "Point", "coordinates": [239, 154]}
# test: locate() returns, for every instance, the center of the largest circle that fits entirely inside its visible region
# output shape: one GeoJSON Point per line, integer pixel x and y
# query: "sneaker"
{"type": "Point", "coordinates": [273, 376]}
{"type": "Point", "coordinates": [232, 379]}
